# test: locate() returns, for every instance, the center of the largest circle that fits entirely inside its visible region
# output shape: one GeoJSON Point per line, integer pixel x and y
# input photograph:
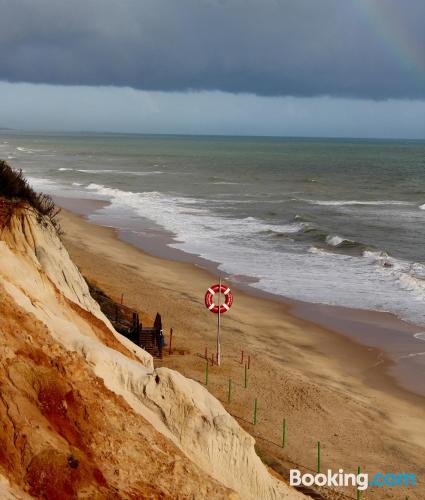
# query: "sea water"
{"type": "Point", "coordinates": [322, 220]}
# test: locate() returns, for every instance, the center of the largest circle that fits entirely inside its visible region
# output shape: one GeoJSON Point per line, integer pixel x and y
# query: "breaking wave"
{"type": "Point", "coordinates": [111, 171]}
{"type": "Point", "coordinates": [188, 218]}
{"type": "Point", "coordinates": [336, 203]}
{"type": "Point", "coordinates": [337, 241]}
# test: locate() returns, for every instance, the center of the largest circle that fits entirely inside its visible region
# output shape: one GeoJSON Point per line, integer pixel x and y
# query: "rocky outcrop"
{"type": "Point", "coordinates": [84, 413]}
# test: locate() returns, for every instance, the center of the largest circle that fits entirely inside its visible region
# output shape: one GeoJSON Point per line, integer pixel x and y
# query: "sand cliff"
{"type": "Point", "coordinates": [84, 412]}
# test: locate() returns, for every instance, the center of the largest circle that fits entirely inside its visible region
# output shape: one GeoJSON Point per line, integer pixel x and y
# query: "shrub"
{"type": "Point", "coordinates": [15, 187]}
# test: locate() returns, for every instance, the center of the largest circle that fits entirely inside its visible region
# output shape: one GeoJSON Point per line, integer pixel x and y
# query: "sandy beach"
{"type": "Point", "coordinates": [328, 387]}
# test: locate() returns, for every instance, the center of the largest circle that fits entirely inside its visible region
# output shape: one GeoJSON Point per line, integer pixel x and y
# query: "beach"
{"type": "Point", "coordinates": [327, 387]}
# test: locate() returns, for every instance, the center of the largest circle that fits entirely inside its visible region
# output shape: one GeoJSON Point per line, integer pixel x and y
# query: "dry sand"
{"type": "Point", "coordinates": [329, 388]}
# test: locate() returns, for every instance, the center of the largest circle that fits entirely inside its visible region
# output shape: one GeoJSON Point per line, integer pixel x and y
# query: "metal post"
{"type": "Point", "coordinates": [254, 420]}
{"type": "Point", "coordinates": [171, 340]}
{"type": "Point", "coordinates": [246, 377]}
{"type": "Point", "coordinates": [318, 456]}
{"type": "Point", "coordinates": [283, 432]}
{"type": "Point", "coordinates": [358, 490]}
{"type": "Point", "coordinates": [218, 324]}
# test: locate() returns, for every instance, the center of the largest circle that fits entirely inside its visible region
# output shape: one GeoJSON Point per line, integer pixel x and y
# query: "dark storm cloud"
{"type": "Point", "coordinates": [266, 47]}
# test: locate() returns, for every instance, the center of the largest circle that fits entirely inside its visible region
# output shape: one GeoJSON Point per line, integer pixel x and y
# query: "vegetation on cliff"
{"type": "Point", "coordinates": [15, 188]}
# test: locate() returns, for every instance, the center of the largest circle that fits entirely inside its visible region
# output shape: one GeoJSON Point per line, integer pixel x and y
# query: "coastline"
{"type": "Point", "coordinates": [327, 385]}
{"type": "Point", "coordinates": [398, 352]}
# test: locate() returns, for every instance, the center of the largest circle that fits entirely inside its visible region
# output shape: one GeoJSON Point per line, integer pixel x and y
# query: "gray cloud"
{"type": "Point", "coordinates": [266, 47]}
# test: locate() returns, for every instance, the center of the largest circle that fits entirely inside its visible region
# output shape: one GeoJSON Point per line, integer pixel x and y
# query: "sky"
{"type": "Point", "coordinates": [352, 68]}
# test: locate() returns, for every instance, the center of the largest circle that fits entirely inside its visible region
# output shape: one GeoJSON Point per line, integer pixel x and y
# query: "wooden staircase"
{"type": "Point", "coordinates": [126, 321]}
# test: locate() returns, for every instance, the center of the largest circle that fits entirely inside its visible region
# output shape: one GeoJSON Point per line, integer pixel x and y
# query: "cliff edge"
{"type": "Point", "coordinates": [83, 411]}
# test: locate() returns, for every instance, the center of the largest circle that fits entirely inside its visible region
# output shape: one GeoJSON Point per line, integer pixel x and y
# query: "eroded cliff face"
{"type": "Point", "coordinates": [83, 412]}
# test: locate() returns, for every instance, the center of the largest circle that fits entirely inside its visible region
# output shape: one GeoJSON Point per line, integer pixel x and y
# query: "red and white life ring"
{"type": "Point", "coordinates": [209, 299]}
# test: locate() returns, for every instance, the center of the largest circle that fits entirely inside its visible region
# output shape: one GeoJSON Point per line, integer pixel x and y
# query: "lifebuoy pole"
{"type": "Point", "coordinates": [218, 324]}
{"type": "Point", "coordinates": [216, 309]}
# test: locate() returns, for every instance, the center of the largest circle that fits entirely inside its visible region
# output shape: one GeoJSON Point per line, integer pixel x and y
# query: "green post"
{"type": "Point", "coordinates": [206, 372]}
{"type": "Point", "coordinates": [229, 394]}
{"type": "Point", "coordinates": [254, 420]}
{"type": "Point", "coordinates": [283, 432]}
{"type": "Point", "coordinates": [246, 377]}
{"type": "Point", "coordinates": [358, 491]}
{"type": "Point", "coordinates": [318, 456]}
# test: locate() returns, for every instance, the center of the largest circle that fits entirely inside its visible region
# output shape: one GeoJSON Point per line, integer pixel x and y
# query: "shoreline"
{"type": "Point", "coordinates": [326, 386]}
{"type": "Point", "coordinates": [369, 329]}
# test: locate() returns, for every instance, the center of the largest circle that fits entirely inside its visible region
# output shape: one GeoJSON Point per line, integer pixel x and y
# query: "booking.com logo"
{"type": "Point", "coordinates": [341, 478]}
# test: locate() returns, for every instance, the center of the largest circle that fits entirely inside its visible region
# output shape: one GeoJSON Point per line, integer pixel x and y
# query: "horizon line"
{"type": "Point", "coordinates": [182, 134]}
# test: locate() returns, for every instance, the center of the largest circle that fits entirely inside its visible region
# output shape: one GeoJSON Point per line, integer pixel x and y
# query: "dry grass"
{"type": "Point", "coordinates": [15, 188]}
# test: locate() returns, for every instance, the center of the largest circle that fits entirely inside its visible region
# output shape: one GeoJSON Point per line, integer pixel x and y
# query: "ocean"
{"type": "Point", "coordinates": [334, 221]}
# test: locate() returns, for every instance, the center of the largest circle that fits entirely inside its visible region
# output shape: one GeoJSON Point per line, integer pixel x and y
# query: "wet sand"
{"type": "Point", "coordinates": [305, 364]}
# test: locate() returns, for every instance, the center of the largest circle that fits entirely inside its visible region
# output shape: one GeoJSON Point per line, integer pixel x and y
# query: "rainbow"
{"type": "Point", "coordinates": [394, 34]}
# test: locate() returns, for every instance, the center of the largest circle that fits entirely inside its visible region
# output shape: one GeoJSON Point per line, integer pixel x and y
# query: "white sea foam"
{"type": "Point", "coordinates": [244, 202]}
{"type": "Point", "coordinates": [419, 335]}
{"type": "Point", "coordinates": [225, 183]}
{"type": "Point", "coordinates": [50, 186]}
{"type": "Point", "coordinates": [177, 213]}
{"type": "Point", "coordinates": [410, 276]}
{"type": "Point", "coordinates": [285, 228]}
{"type": "Point", "coordinates": [118, 172]}
{"type": "Point", "coordinates": [110, 171]}
{"type": "Point", "coordinates": [319, 276]}
{"type": "Point", "coordinates": [320, 251]}
{"type": "Point", "coordinates": [335, 241]}
{"type": "Point", "coordinates": [29, 150]}
{"type": "Point", "coordinates": [40, 182]}
{"type": "Point", "coordinates": [412, 355]}
{"type": "Point", "coordinates": [422, 207]}
{"type": "Point", "coordinates": [336, 203]}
